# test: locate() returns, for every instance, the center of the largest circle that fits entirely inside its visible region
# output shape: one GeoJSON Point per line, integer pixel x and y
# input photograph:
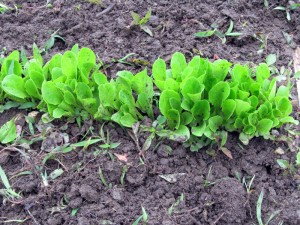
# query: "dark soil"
{"type": "Point", "coordinates": [210, 183]}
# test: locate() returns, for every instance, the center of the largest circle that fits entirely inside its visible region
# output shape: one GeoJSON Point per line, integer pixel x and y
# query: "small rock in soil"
{"type": "Point", "coordinates": [89, 193]}
{"type": "Point", "coordinates": [82, 221]}
{"type": "Point", "coordinates": [75, 203]}
{"type": "Point", "coordinates": [229, 197]}
{"type": "Point", "coordinates": [117, 194]}
{"type": "Point", "coordinates": [55, 220]}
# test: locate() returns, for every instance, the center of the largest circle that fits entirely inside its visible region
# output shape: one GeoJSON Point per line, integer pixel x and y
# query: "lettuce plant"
{"type": "Point", "coordinates": [210, 98]}
{"type": "Point", "coordinates": [199, 101]}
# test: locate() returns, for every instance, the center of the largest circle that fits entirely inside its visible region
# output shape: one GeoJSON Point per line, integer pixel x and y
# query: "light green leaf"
{"type": "Point", "coordinates": [264, 126]}
{"type": "Point", "coordinates": [86, 60]}
{"type": "Point", "coordinates": [14, 86]}
{"type": "Point", "coordinates": [178, 64]}
{"type": "Point", "coordinates": [271, 59]}
{"type": "Point", "coordinates": [219, 93]}
{"type": "Point", "coordinates": [51, 94]}
{"type": "Point", "coordinates": [207, 33]}
{"type": "Point", "coordinates": [214, 123]}
{"type": "Point", "coordinates": [228, 108]}
{"type": "Point", "coordinates": [262, 72]}
{"type": "Point", "coordinates": [284, 164]}
{"type": "Point", "coordinates": [8, 132]}
{"type": "Point", "coordinates": [69, 65]}
{"type": "Point", "coordinates": [199, 130]}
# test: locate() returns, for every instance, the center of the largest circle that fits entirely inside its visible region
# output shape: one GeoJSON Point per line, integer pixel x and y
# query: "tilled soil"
{"type": "Point", "coordinates": [210, 183]}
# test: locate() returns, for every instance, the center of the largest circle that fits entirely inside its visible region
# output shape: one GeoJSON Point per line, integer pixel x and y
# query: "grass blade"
{"type": "Point", "coordinates": [258, 208]}
{"type": "Point", "coordinates": [4, 179]}
{"type": "Point", "coordinates": [202, 34]}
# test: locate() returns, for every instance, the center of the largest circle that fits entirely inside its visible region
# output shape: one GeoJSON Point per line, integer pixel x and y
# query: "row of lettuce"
{"type": "Point", "coordinates": [198, 99]}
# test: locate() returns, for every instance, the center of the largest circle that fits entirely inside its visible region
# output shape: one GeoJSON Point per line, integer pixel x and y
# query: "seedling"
{"type": "Point", "coordinates": [288, 9]}
{"type": "Point", "coordinates": [298, 159]}
{"type": "Point", "coordinates": [124, 59]}
{"type": "Point", "coordinates": [284, 73]}
{"type": "Point", "coordinates": [8, 192]}
{"type": "Point", "coordinates": [74, 212]}
{"type": "Point", "coordinates": [4, 8]}
{"type": "Point", "coordinates": [248, 185]}
{"type": "Point", "coordinates": [69, 147]}
{"type": "Point", "coordinates": [96, 2]}
{"type": "Point", "coordinates": [218, 33]}
{"type": "Point", "coordinates": [266, 3]}
{"type": "Point", "coordinates": [263, 39]}
{"type": "Point", "coordinates": [141, 22]}
{"type": "Point", "coordinates": [258, 211]}
{"type": "Point", "coordinates": [207, 183]}
{"type": "Point", "coordinates": [106, 139]}
{"type": "Point", "coordinates": [14, 221]}
{"type": "Point", "coordinates": [50, 42]}
{"type": "Point", "coordinates": [174, 205]}
{"type": "Point", "coordinates": [143, 217]}
{"type": "Point", "coordinates": [124, 171]}
{"type": "Point", "coordinates": [102, 178]}
{"type": "Point", "coordinates": [77, 7]}
{"type": "Point", "coordinates": [286, 166]}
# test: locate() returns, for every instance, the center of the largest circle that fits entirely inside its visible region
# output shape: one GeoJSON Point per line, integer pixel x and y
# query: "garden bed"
{"type": "Point", "coordinates": [110, 186]}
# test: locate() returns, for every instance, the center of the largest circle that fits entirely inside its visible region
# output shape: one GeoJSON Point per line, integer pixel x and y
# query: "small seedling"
{"type": "Point", "coordinates": [207, 183]}
{"type": "Point", "coordinates": [288, 9]}
{"type": "Point", "coordinates": [8, 192]}
{"type": "Point", "coordinates": [77, 7]}
{"type": "Point", "coordinates": [124, 171]}
{"type": "Point", "coordinates": [248, 185]}
{"type": "Point", "coordinates": [96, 2]}
{"type": "Point", "coordinates": [286, 166]}
{"type": "Point", "coordinates": [218, 33]}
{"type": "Point", "coordinates": [266, 3]}
{"type": "Point", "coordinates": [4, 8]}
{"type": "Point", "coordinates": [258, 211]}
{"type": "Point", "coordinates": [143, 217]}
{"type": "Point", "coordinates": [74, 212]}
{"type": "Point", "coordinates": [263, 39]}
{"type": "Point", "coordinates": [106, 139]}
{"type": "Point", "coordinates": [50, 42]}
{"type": "Point", "coordinates": [172, 208]}
{"type": "Point", "coordinates": [298, 159]}
{"type": "Point", "coordinates": [102, 178]}
{"type": "Point", "coordinates": [284, 73]}
{"type": "Point", "coordinates": [141, 22]}
{"type": "Point", "coordinates": [14, 221]}
{"type": "Point", "coordinates": [124, 59]}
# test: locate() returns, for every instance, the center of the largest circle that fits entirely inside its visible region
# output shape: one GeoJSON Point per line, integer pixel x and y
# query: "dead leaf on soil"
{"type": "Point", "coordinates": [289, 40]}
{"type": "Point", "coordinates": [172, 178]}
{"type": "Point", "coordinates": [122, 158]}
{"type": "Point", "coordinates": [296, 58]}
{"type": "Point", "coordinates": [19, 130]}
{"type": "Point", "coordinates": [279, 151]}
{"type": "Point", "coordinates": [227, 152]}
